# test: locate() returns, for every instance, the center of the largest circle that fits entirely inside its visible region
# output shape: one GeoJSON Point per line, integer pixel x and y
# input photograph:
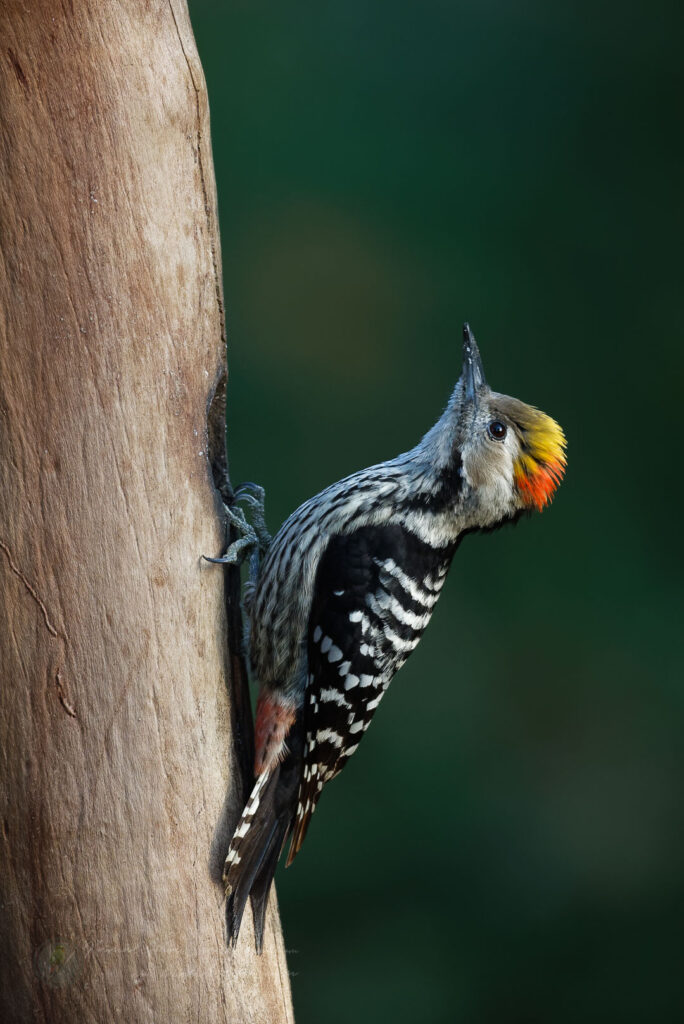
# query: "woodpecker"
{"type": "Point", "coordinates": [344, 592]}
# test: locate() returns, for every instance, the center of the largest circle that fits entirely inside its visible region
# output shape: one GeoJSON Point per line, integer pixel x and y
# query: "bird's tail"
{"type": "Point", "coordinates": [259, 838]}
{"type": "Point", "coordinates": [252, 857]}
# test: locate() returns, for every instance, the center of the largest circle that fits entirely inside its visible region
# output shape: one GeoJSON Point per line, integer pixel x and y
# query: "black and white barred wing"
{"type": "Point", "coordinates": [374, 594]}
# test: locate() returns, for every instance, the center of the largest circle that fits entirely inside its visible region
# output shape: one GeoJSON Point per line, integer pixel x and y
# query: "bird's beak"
{"type": "Point", "coordinates": [472, 374]}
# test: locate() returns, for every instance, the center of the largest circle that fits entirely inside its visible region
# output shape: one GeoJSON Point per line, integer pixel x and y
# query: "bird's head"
{"type": "Point", "coordinates": [512, 456]}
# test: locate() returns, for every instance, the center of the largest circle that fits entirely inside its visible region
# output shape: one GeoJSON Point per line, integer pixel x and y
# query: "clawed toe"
{"type": "Point", "coordinates": [237, 551]}
{"type": "Point", "coordinates": [253, 539]}
{"type": "Point", "coordinates": [244, 489]}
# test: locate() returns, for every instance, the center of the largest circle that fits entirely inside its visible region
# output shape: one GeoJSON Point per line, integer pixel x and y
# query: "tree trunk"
{"type": "Point", "coordinates": [119, 765]}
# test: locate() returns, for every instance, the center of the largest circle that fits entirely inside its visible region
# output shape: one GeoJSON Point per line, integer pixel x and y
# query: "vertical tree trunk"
{"type": "Point", "coordinates": [118, 779]}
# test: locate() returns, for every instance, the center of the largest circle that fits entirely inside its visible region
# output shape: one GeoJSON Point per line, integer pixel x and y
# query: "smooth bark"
{"type": "Point", "coordinates": [120, 778]}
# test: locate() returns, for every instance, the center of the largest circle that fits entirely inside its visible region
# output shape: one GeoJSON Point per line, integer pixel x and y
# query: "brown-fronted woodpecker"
{"type": "Point", "coordinates": [344, 592]}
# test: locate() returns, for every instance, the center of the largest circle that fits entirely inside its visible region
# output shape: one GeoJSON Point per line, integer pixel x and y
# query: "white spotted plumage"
{"type": "Point", "coordinates": [342, 598]}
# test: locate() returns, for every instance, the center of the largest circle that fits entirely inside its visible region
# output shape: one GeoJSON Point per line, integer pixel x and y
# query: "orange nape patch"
{"type": "Point", "coordinates": [537, 484]}
{"type": "Point", "coordinates": [273, 722]}
{"type": "Point", "coordinates": [541, 464]}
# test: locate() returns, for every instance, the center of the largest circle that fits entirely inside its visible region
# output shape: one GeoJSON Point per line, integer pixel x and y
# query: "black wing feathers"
{"type": "Point", "coordinates": [373, 596]}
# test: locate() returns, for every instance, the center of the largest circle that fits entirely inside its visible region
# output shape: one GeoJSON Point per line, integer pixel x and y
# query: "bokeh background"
{"type": "Point", "coordinates": [507, 845]}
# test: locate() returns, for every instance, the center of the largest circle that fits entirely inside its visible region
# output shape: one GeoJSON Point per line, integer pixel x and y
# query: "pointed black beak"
{"type": "Point", "coordinates": [472, 374]}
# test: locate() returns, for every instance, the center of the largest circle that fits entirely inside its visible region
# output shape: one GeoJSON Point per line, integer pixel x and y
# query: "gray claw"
{"type": "Point", "coordinates": [248, 485]}
{"type": "Point", "coordinates": [249, 499]}
{"type": "Point", "coordinates": [236, 553]}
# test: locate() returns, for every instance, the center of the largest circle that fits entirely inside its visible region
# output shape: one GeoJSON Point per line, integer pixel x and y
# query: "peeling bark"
{"type": "Point", "coordinates": [122, 682]}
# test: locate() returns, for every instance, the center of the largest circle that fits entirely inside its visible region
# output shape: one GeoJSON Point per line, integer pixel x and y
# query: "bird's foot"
{"type": "Point", "coordinates": [252, 539]}
{"type": "Point", "coordinates": [254, 496]}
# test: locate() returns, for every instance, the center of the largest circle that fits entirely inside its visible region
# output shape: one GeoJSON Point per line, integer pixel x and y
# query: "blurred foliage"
{"type": "Point", "coordinates": [507, 844]}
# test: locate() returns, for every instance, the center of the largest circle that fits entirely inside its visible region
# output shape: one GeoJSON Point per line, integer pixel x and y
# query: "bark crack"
{"type": "Point", "coordinates": [32, 591]}
{"type": "Point", "coordinates": [61, 693]}
{"type": "Point", "coordinates": [60, 687]}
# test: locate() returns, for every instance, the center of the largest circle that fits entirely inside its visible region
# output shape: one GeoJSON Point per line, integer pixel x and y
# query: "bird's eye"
{"type": "Point", "coordinates": [497, 430]}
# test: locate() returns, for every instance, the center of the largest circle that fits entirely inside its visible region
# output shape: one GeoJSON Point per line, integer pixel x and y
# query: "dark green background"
{"type": "Point", "coordinates": [508, 843]}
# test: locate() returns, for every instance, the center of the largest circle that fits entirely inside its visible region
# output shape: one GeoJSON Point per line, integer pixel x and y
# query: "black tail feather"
{"type": "Point", "coordinates": [237, 901]}
{"type": "Point", "coordinates": [261, 886]}
{"type": "Point", "coordinates": [251, 849]}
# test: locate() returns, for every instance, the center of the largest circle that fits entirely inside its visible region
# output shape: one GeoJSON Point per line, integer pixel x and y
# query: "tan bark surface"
{"type": "Point", "coordinates": [119, 775]}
